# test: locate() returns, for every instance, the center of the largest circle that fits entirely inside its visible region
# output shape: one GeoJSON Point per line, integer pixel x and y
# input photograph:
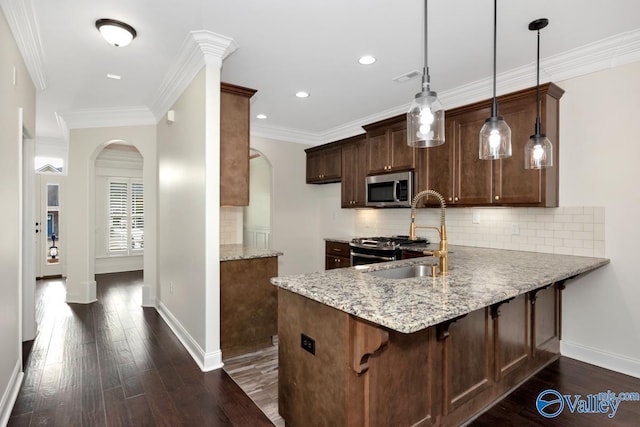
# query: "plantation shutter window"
{"type": "Point", "coordinates": [126, 216]}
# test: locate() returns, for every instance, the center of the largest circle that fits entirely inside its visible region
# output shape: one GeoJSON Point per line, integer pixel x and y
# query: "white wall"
{"type": "Point", "coordinates": [189, 221]}
{"type": "Point", "coordinates": [79, 202]}
{"type": "Point", "coordinates": [303, 214]}
{"type": "Point", "coordinates": [12, 99]}
{"type": "Point", "coordinates": [599, 151]}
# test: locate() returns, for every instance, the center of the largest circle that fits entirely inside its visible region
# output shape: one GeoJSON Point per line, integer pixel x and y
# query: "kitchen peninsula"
{"type": "Point", "coordinates": [359, 349]}
{"type": "Point", "coordinates": [248, 303]}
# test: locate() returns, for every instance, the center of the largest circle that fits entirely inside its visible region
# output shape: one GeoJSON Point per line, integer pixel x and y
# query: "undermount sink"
{"type": "Point", "coordinates": [405, 272]}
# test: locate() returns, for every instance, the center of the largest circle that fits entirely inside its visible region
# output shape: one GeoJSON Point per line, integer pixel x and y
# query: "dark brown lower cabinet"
{"type": "Point", "coordinates": [248, 305]}
{"type": "Point", "coordinates": [337, 255]}
{"type": "Point", "coordinates": [361, 374]}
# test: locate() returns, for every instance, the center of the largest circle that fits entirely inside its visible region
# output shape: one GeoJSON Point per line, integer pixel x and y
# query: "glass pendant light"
{"type": "Point", "coordinates": [538, 152]}
{"type": "Point", "coordinates": [425, 119]}
{"type": "Point", "coordinates": [495, 135]}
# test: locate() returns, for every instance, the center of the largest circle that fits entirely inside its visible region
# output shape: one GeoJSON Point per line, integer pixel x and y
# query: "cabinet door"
{"type": "Point", "coordinates": [314, 166]}
{"type": "Point", "coordinates": [513, 184]}
{"type": "Point", "coordinates": [234, 145]}
{"type": "Point", "coordinates": [324, 165]}
{"type": "Point", "coordinates": [473, 177]}
{"type": "Point", "coordinates": [332, 163]}
{"type": "Point", "coordinates": [436, 168]}
{"type": "Point", "coordinates": [354, 156]}
{"type": "Point", "coordinates": [403, 157]}
{"type": "Point", "coordinates": [377, 152]}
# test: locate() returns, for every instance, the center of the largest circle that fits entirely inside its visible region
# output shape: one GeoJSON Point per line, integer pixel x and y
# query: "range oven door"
{"type": "Point", "coordinates": [362, 256]}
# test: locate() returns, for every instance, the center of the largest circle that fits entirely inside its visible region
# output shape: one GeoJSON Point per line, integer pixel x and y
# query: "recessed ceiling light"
{"type": "Point", "coordinates": [302, 94]}
{"type": "Point", "coordinates": [261, 116]}
{"type": "Point", "coordinates": [367, 60]}
{"type": "Point", "coordinates": [113, 76]}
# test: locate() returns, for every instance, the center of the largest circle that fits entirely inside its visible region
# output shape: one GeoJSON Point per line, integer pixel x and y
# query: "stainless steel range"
{"type": "Point", "coordinates": [369, 250]}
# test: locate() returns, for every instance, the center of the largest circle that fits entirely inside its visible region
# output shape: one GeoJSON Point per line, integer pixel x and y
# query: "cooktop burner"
{"type": "Point", "coordinates": [388, 243]}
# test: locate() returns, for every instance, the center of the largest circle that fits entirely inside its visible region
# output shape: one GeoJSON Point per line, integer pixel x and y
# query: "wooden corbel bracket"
{"type": "Point", "coordinates": [366, 340]}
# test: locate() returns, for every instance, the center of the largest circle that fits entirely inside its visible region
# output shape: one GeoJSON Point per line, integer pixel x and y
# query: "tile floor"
{"type": "Point", "coordinates": [257, 375]}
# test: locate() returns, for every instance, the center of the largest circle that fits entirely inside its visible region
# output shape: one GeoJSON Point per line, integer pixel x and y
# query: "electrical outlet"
{"type": "Point", "coordinates": [515, 229]}
{"type": "Point", "coordinates": [475, 218]}
{"type": "Point", "coordinates": [308, 344]}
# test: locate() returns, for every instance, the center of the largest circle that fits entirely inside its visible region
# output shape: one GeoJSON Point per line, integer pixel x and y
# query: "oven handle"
{"type": "Point", "coordinates": [386, 258]}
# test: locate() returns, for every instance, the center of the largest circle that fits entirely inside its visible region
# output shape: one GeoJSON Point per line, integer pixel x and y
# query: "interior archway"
{"type": "Point", "coordinates": [256, 227]}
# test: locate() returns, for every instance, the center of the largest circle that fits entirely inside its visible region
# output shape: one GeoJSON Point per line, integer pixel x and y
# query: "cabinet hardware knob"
{"type": "Point", "coordinates": [456, 199]}
{"type": "Point", "coordinates": [449, 199]}
{"type": "Point", "coordinates": [497, 197]}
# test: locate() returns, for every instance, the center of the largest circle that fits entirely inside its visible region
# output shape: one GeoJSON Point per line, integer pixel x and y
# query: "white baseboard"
{"type": "Point", "coordinates": [614, 362]}
{"type": "Point", "coordinates": [118, 264]}
{"type": "Point", "coordinates": [148, 296]}
{"type": "Point", "coordinates": [206, 361]}
{"type": "Point", "coordinates": [85, 293]}
{"type": "Point", "coordinates": [11, 393]}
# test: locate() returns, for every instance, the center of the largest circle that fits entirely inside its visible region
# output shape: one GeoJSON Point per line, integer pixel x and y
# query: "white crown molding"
{"type": "Point", "coordinates": [200, 48]}
{"type": "Point", "coordinates": [286, 134]}
{"type": "Point", "coordinates": [607, 53]}
{"type": "Point", "coordinates": [23, 24]}
{"type": "Point", "coordinates": [108, 117]}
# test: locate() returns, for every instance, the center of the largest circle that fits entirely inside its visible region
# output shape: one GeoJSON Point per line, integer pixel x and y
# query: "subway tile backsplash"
{"type": "Point", "coordinates": [564, 230]}
{"type": "Point", "coordinates": [231, 225]}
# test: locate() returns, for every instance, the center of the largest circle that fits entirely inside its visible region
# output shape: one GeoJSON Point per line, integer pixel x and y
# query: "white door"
{"type": "Point", "coordinates": [49, 236]}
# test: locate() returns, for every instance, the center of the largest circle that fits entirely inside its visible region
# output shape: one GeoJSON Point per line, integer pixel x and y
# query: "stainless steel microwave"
{"type": "Point", "coordinates": [390, 190]}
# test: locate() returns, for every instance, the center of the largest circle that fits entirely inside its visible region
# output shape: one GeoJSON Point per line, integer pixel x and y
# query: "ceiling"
{"type": "Point", "coordinates": [289, 45]}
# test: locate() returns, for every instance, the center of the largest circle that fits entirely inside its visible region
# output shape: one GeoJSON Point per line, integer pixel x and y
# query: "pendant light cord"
{"type": "Point", "coordinates": [494, 103]}
{"type": "Point", "coordinates": [538, 112]}
{"type": "Point", "coordinates": [426, 79]}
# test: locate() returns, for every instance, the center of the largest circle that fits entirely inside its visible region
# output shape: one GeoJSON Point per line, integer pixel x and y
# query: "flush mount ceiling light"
{"type": "Point", "coordinates": [538, 152]}
{"type": "Point", "coordinates": [366, 60]}
{"type": "Point", "coordinates": [425, 119]}
{"type": "Point", "coordinates": [115, 32]}
{"type": "Point", "coordinates": [495, 135]}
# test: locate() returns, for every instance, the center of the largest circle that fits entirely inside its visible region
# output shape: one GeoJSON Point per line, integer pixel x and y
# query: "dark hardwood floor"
{"type": "Point", "coordinates": [568, 377]}
{"type": "Point", "coordinates": [114, 363]}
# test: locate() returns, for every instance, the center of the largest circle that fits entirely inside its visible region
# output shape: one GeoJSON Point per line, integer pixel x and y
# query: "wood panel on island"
{"type": "Point", "coordinates": [363, 374]}
{"type": "Point", "coordinates": [234, 144]}
{"type": "Point", "coordinates": [248, 305]}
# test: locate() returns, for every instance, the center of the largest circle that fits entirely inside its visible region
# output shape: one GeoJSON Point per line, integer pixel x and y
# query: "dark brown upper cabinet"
{"type": "Point", "coordinates": [324, 164]}
{"type": "Point", "coordinates": [234, 144]}
{"type": "Point", "coordinates": [387, 149]}
{"type": "Point", "coordinates": [454, 169]}
{"type": "Point", "coordinates": [354, 171]}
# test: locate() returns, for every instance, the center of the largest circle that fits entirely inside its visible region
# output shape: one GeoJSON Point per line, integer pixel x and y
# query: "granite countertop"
{"type": "Point", "coordinates": [236, 252]}
{"type": "Point", "coordinates": [478, 277]}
